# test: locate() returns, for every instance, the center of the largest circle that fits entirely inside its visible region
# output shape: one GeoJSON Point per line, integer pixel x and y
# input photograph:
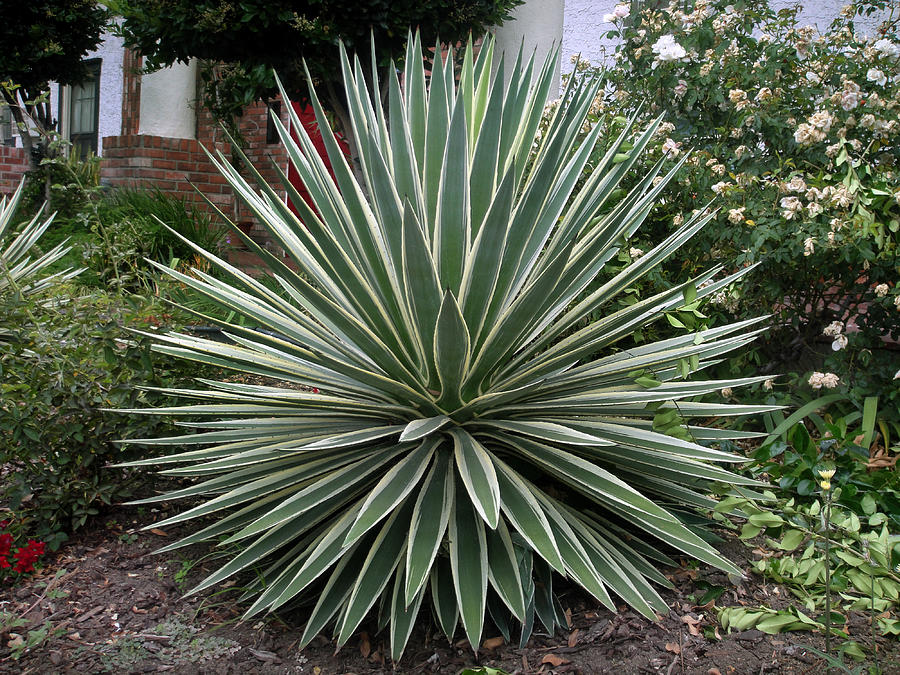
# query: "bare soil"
{"type": "Point", "coordinates": [119, 608]}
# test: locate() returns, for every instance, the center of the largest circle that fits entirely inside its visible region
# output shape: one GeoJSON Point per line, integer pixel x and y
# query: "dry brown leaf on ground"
{"type": "Point", "coordinates": [693, 624]}
{"type": "Point", "coordinates": [573, 638]}
{"type": "Point", "coordinates": [554, 660]}
{"type": "Point", "coordinates": [673, 647]}
{"type": "Point", "coordinates": [492, 643]}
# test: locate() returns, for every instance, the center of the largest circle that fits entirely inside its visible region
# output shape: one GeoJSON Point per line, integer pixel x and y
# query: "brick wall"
{"type": "Point", "coordinates": [174, 164]}
{"type": "Point", "coordinates": [171, 164]}
{"type": "Point", "coordinates": [13, 166]}
{"type": "Point", "coordinates": [131, 92]}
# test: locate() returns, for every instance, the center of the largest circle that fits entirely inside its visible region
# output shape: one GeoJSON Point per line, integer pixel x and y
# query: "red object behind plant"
{"type": "Point", "coordinates": [308, 118]}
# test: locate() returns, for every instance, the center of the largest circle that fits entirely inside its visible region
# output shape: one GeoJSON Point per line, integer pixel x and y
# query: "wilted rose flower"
{"type": "Point", "coordinates": [834, 329]}
{"type": "Point", "coordinates": [736, 215]}
{"type": "Point", "coordinates": [809, 246]}
{"type": "Point", "coordinates": [881, 290]}
{"type": "Point", "coordinates": [827, 380]}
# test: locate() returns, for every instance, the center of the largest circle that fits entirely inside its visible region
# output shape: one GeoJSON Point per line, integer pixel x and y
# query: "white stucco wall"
{"type": "Point", "coordinates": [168, 99]}
{"type": "Point", "coordinates": [539, 23]}
{"type": "Point", "coordinates": [111, 53]}
{"type": "Point", "coordinates": [584, 28]}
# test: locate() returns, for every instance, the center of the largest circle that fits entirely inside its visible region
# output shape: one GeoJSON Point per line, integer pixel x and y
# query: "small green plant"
{"type": "Point", "coordinates": [10, 622]}
{"type": "Point", "coordinates": [183, 644]}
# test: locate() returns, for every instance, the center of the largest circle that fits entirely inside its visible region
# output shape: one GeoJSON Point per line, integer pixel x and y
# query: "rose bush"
{"type": "Point", "coordinates": [797, 135]}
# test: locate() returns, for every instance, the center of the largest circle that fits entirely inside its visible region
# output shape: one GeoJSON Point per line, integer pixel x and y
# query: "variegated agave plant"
{"type": "Point", "coordinates": [20, 271]}
{"type": "Point", "coordinates": [442, 422]}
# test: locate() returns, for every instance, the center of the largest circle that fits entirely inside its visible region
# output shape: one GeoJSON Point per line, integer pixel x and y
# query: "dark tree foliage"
{"type": "Point", "coordinates": [255, 36]}
{"type": "Point", "coordinates": [40, 41]}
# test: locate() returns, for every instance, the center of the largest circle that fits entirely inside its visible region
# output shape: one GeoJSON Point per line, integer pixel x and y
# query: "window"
{"type": "Point", "coordinates": [7, 127]}
{"type": "Point", "coordinates": [271, 131]}
{"type": "Point", "coordinates": [82, 111]}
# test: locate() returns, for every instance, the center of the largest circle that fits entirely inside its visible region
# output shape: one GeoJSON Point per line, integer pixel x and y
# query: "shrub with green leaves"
{"type": "Point", "coordinates": [438, 419]}
{"type": "Point", "coordinates": [57, 377]}
{"type": "Point", "coordinates": [796, 130]}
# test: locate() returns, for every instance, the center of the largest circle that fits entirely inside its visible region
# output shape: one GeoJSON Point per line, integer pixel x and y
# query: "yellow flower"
{"type": "Point", "coordinates": [827, 474]}
{"type": "Point", "coordinates": [825, 484]}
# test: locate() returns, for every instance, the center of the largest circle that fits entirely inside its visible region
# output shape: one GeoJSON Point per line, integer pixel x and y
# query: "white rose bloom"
{"type": "Point", "coordinates": [887, 48]}
{"type": "Point", "coordinates": [718, 187]}
{"type": "Point", "coordinates": [897, 302]}
{"type": "Point", "coordinates": [726, 392]}
{"type": "Point", "coordinates": [897, 375]}
{"type": "Point", "coordinates": [680, 89]}
{"type": "Point", "coordinates": [791, 204]}
{"type": "Point", "coordinates": [881, 290]}
{"type": "Point", "coordinates": [622, 10]}
{"type": "Point", "coordinates": [666, 49]}
{"type": "Point", "coordinates": [839, 343]}
{"type": "Point", "coordinates": [768, 384]}
{"type": "Point", "coordinates": [812, 77]}
{"type": "Point", "coordinates": [736, 216]}
{"type": "Point", "coordinates": [849, 100]}
{"type": "Point", "coordinates": [635, 252]}
{"type": "Point", "coordinates": [876, 76]}
{"type": "Point", "coordinates": [670, 147]}
{"type": "Point", "coordinates": [814, 209]}
{"type": "Point", "coordinates": [609, 18]}
{"type": "Point", "coordinates": [796, 184]}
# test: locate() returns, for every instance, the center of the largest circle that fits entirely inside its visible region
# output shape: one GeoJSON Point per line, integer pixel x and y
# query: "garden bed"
{"type": "Point", "coordinates": [113, 606]}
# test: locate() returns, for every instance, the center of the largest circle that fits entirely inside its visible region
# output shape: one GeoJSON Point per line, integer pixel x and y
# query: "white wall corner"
{"type": "Point", "coordinates": [168, 101]}
{"type": "Point", "coordinates": [537, 27]}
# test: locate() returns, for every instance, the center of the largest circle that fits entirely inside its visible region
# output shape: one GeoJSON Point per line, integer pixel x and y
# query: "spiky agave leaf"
{"type": "Point", "coordinates": [469, 432]}
{"type": "Point", "coordinates": [20, 271]}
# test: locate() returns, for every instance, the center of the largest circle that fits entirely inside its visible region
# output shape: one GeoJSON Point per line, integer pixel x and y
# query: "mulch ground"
{"type": "Point", "coordinates": [119, 608]}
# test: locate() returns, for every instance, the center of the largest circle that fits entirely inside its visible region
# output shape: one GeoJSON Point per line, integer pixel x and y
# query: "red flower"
{"type": "Point", "coordinates": [6, 541]}
{"type": "Point", "coordinates": [4, 563]}
{"type": "Point", "coordinates": [27, 555]}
